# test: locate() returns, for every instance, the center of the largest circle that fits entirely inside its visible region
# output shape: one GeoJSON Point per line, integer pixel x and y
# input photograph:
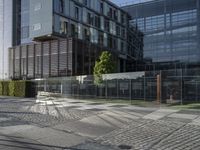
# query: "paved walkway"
{"type": "Point", "coordinates": [49, 123]}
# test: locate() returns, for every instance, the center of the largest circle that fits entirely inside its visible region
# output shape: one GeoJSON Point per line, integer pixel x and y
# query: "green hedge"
{"type": "Point", "coordinates": [11, 88]}
{"type": "Point", "coordinates": [17, 88]}
{"type": "Point", "coordinates": [20, 89]}
{"type": "Point", "coordinates": [1, 88]}
{"type": "Point", "coordinates": [5, 85]}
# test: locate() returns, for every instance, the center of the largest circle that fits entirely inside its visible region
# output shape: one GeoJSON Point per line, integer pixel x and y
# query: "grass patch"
{"type": "Point", "coordinates": [187, 106]}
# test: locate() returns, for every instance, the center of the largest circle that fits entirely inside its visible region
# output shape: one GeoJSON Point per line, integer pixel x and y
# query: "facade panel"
{"type": "Point", "coordinates": [31, 61]}
{"type": "Point", "coordinates": [5, 36]}
{"type": "Point", "coordinates": [41, 18]}
{"type": "Point", "coordinates": [171, 29]}
{"type": "Point", "coordinates": [64, 57]}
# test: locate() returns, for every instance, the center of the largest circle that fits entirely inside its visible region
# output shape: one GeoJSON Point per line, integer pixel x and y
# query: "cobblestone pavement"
{"type": "Point", "coordinates": [56, 124]}
{"type": "Point", "coordinates": [156, 135]}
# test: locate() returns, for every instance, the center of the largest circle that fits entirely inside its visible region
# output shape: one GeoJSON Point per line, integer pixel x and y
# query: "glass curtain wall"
{"type": "Point", "coordinates": [87, 20]}
{"type": "Point", "coordinates": [171, 29]}
{"type": "Point", "coordinates": [25, 21]}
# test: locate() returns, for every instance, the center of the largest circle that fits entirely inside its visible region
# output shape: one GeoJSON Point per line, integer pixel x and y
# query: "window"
{"type": "Point", "coordinates": [110, 12]}
{"type": "Point", "coordinates": [74, 31]}
{"type": "Point", "coordinates": [114, 43]}
{"type": "Point", "coordinates": [122, 46]}
{"type": "Point", "coordinates": [77, 13]}
{"type": "Point", "coordinates": [100, 38]}
{"type": "Point", "coordinates": [107, 25]}
{"type": "Point", "coordinates": [101, 7]}
{"type": "Point", "coordinates": [110, 43]}
{"type": "Point", "coordinates": [115, 14]}
{"type": "Point", "coordinates": [97, 21]}
{"type": "Point", "coordinates": [118, 30]}
{"type": "Point", "coordinates": [87, 3]}
{"type": "Point", "coordinates": [61, 6]}
{"type": "Point", "coordinates": [122, 19]}
{"type": "Point", "coordinates": [25, 32]}
{"type": "Point", "coordinates": [89, 18]}
{"type": "Point", "coordinates": [86, 34]}
{"type": "Point", "coordinates": [123, 33]}
{"type": "Point", "coordinates": [64, 27]}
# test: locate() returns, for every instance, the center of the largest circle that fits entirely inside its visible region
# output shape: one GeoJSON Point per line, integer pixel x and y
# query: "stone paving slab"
{"type": "Point", "coordinates": [141, 134]}
{"type": "Point", "coordinates": [156, 115]}
{"type": "Point", "coordinates": [85, 129]}
{"type": "Point", "coordinates": [185, 138]}
{"type": "Point", "coordinates": [52, 136]}
{"type": "Point", "coordinates": [183, 116]}
{"type": "Point", "coordinates": [99, 120]}
{"type": "Point", "coordinates": [14, 129]}
{"type": "Point", "coordinates": [196, 121]}
{"type": "Point", "coordinates": [135, 108]}
{"type": "Point", "coordinates": [18, 143]}
{"type": "Point", "coordinates": [115, 119]}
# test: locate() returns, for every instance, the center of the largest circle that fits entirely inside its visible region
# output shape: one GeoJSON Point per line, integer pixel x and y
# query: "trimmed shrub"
{"type": "Point", "coordinates": [17, 88]}
{"type": "Point", "coordinates": [11, 88]}
{"type": "Point", "coordinates": [20, 88]}
{"type": "Point", "coordinates": [5, 85]}
{"type": "Point", "coordinates": [1, 88]}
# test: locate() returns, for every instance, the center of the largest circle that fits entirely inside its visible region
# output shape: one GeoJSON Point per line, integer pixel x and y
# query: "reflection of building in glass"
{"type": "Point", "coordinates": [97, 23]}
{"type": "Point", "coordinates": [172, 31]}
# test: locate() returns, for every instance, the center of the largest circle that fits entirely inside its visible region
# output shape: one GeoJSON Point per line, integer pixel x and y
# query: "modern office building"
{"type": "Point", "coordinates": [65, 37]}
{"type": "Point", "coordinates": [171, 32]}
{"type": "Point", "coordinates": [6, 36]}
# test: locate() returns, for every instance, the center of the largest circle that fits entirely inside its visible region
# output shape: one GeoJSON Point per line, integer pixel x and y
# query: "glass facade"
{"type": "Point", "coordinates": [25, 7]}
{"type": "Point", "coordinates": [92, 25]}
{"type": "Point", "coordinates": [171, 29]}
{"type": "Point", "coordinates": [5, 36]}
{"type": "Point", "coordinates": [95, 21]}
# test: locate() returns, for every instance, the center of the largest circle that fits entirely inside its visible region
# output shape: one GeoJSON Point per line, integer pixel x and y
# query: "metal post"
{"type": "Point", "coordinates": [106, 88]}
{"type": "Point", "coordinates": [117, 89]}
{"type": "Point", "coordinates": [61, 88]}
{"type": "Point", "coordinates": [144, 87]}
{"type": "Point", "coordinates": [160, 86]}
{"type": "Point", "coordinates": [181, 86]}
{"type": "Point", "coordinates": [130, 89]}
{"type": "Point", "coordinates": [45, 85]}
{"type": "Point", "coordinates": [196, 91]}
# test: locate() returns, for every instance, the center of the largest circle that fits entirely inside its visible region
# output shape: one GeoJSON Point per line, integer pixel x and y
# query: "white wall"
{"type": "Point", "coordinates": [5, 36]}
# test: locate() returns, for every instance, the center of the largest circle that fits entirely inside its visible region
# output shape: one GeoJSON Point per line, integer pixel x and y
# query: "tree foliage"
{"type": "Point", "coordinates": [104, 65]}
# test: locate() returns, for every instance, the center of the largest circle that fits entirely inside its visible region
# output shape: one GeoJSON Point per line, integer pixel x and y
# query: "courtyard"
{"type": "Point", "coordinates": [67, 124]}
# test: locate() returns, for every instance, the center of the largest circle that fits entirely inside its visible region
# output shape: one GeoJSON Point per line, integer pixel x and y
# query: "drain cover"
{"type": "Point", "coordinates": [125, 147]}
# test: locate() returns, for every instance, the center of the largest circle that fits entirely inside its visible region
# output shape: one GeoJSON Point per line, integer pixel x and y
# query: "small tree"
{"type": "Point", "coordinates": [104, 65]}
